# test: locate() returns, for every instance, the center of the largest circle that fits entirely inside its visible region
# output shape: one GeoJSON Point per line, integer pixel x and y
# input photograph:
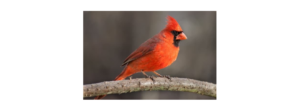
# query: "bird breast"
{"type": "Point", "coordinates": [165, 55]}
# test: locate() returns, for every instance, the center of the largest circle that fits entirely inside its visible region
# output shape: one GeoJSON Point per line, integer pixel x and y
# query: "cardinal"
{"type": "Point", "coordinates": [156, 53]}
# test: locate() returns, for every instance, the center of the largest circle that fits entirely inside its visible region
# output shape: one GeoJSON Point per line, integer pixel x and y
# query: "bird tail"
{"type": "Point", "coordinates": [125, 73]}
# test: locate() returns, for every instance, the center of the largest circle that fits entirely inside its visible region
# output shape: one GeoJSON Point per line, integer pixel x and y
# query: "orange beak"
{"type": "Point", "coordinates": [181, 36]}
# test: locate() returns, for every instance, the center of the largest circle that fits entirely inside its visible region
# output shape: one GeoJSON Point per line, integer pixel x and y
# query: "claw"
{"type": "Point", "coordinates": [152, 78]}
{"type": "Point", "coordinates": [167, 76]}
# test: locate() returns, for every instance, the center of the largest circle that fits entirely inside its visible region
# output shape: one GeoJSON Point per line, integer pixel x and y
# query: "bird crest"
{"type": "Point", "coordinates": [172, 24]}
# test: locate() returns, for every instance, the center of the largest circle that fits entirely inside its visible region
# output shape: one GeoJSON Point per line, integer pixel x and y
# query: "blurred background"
{"type": "Point", "coordinates": [110, 36]}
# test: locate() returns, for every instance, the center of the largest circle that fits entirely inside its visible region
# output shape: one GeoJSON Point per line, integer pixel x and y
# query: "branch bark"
{"type": "Point", "coordinates": [146, 84]}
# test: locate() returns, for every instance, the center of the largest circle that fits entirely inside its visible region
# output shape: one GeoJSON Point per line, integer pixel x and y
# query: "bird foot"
{"type": "Point", "coordinates": [167, 76]}
{"type": "Point", "coordinates": [151, 77]}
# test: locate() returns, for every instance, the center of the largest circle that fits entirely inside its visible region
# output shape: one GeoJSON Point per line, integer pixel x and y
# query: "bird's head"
{"type": "Point", "coordinates": [173, 31]}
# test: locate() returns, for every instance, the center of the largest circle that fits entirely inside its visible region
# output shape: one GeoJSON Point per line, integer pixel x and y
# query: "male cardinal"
{"type": "Point", "coordinates": [156, 53]}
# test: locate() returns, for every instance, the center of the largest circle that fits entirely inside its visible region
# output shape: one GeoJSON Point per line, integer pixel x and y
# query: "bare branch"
{"type": "Point", "coordinates": [146, 84]}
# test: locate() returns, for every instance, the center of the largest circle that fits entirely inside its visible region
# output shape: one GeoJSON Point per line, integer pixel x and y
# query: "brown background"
{"type": "Point", "coordinates": [109, 37]}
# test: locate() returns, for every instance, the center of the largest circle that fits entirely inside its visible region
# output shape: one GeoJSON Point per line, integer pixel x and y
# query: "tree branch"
{"type": "Point", "coordinates": [146, 84]}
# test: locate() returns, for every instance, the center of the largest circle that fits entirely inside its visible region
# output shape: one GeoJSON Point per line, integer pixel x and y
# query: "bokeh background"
{"type": "Point", "coordinates": [110, 36]}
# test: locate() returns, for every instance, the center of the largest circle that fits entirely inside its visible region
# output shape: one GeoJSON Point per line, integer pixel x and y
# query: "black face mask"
{"type": "Point", "coordinates": [176, 33]}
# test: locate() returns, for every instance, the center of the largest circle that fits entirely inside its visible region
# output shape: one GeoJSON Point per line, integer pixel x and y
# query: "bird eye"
{"type": "Point", "coordinates": [179, 32]}
{"type": "Point", "coordinates": [175, 33]}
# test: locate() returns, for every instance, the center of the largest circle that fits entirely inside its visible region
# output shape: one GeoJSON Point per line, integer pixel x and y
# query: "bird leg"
{"type": "Point", "coordinates": [145, 74]}
{"type": "Point", "coordinates": [166, 76]}
{"type": "Point", "coordinates": [151, 77]}
{"type": "Point", "coordinates": [157, 74]}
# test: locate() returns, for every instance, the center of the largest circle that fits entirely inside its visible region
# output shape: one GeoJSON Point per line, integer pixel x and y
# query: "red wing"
{"type": "Point", "coordinates": [146, 48]}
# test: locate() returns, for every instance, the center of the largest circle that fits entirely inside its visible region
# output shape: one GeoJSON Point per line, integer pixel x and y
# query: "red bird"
{"type": "Point", "coordinates": [156, 53]}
